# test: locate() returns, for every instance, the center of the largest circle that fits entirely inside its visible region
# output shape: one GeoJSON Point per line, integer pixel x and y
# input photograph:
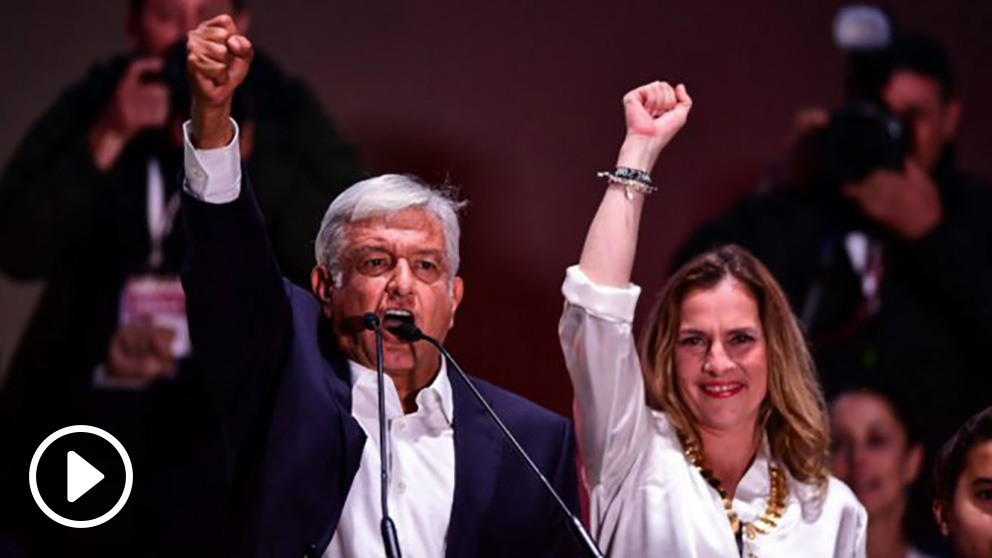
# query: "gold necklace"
{"type": "Point", "coordinates": [773, 509]}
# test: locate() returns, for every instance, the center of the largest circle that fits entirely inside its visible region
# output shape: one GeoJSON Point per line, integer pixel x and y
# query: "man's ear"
{"type": "Point", "coordinates": [951, 118]}
{"type": "Point", "coordinates": [457, 292]}
{"type": "Point", "coordinates": [323, 287]}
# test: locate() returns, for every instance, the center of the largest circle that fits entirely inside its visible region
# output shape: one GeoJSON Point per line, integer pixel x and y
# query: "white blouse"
{"type": "Point", "coordinates": [646, 499]}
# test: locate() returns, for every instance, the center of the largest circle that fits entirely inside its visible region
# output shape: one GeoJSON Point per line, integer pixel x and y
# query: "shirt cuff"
{"type": "Point", "coordinates": [212, 175]}
{"type": "Point", "coordinates": [610, 303]}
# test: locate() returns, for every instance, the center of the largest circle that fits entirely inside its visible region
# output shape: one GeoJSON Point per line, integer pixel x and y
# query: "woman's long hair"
{"type": "Point", "coordinates": [793, 413]}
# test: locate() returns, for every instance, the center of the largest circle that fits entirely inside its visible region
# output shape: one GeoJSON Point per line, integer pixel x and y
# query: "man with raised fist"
{"type": "Point", "coordinates": [292, 373]}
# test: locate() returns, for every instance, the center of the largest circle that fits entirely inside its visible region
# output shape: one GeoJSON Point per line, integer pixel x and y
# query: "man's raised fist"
{"type": "Point", "coordinates": [218, 60]}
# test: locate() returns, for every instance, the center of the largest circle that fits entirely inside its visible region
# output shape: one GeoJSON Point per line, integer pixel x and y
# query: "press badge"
{"type": "Point", "coordinates": [161, 299]}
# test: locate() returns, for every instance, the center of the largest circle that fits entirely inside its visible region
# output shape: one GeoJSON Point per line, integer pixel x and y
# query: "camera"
{"type": "Point", "coordinates": [858, 139]}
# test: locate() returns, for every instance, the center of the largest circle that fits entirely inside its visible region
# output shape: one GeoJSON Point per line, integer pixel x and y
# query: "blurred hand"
{"type": "Point", "coordinates": [140, 350]}
{"type": "Point", "coordinates": [217, 62]}
{"type": "Point", "coordinates": [136, 106]}
{"type": "Point", "coordinates": [907, 202]}
{"type": "Point", "coordinates": [654, 113]}
{"type": "Point", "coordinates": [808, 119]}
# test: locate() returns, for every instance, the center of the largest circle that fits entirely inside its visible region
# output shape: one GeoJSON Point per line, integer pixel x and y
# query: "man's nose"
{"type": "Point", "coordinates": [401, 280]}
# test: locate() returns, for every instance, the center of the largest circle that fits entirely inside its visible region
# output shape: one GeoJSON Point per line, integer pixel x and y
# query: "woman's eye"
{"type": "Point", "coordinates": [985, 494]}
{"type": "Point", "coordinates": [693, 341]}
{"type": "Point", "coordinates": [741, 338]}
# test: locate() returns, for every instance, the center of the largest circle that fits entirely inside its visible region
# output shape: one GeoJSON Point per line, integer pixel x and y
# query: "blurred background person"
{"type": "Point", "coordinates": [89, 204]}
{"type": "Point", "coordinates": [883, 246]}
{"type": "Point", "coordinates": [876, 450]}
{"type": "Point", "coordinates": [962, 502]}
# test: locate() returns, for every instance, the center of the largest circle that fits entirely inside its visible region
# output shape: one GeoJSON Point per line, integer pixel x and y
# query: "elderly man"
{"type": "Point", "coordinates": [291, 373]}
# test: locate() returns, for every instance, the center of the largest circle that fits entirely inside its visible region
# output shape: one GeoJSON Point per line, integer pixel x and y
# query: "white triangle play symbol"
{"type": "Point", "coordinates": [80, 476]}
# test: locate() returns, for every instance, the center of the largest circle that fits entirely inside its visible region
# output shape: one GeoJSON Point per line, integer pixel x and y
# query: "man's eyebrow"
{"type": "Point", "coordinates": [429, 251]}
{"type": "Point", "coordinates": [365, 248]}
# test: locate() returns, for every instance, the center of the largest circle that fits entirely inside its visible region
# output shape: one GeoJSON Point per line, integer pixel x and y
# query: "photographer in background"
{"type": "Point", "coordinates": [89, 204]}
{"type": "Point", "coordinates": [883, 246]}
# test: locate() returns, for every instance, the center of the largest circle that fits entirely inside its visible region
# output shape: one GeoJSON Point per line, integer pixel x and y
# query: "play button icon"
{"type": "Point", "coordinates": [80, 476]}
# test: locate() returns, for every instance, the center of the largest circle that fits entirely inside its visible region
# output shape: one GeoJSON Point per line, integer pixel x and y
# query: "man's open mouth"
{"type": "Point", "coordinates": [395, 316]}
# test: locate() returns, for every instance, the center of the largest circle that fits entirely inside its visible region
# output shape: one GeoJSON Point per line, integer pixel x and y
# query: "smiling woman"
{"type": "Point", "coordinates": [749, 368]}
{"type": "Point", "coordinates": [712, 441]}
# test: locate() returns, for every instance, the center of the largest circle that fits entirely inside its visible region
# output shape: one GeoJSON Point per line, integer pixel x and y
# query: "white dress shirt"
{"type": "Point", "coordinates": [646, 498]}
{"type": "Point", "coordinates": [421, 444]}
{"type": "Point", "coordinates": [421, 471]}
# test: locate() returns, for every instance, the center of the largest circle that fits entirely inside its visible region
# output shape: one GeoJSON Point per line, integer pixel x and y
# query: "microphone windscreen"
{"type": "Point", "coordinates": [371, 321]}
{"type": "Point", "coordinates": [406, 331]}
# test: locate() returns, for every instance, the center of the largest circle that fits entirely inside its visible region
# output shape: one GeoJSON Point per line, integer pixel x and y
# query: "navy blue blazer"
{"type": "Point", "coordinates": [283, 396]}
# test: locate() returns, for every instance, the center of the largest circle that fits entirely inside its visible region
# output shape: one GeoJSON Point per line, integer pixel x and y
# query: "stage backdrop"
{"type": "Point", "coordinates": [518, 103]}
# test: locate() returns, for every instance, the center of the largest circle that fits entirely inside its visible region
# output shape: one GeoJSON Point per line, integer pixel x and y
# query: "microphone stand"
{"type": "Point", "coordinates": [411, 332]}
{"type": "Point", "coordinates": [390, 540]}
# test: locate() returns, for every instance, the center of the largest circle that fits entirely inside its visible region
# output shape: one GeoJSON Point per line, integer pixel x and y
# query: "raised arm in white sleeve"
{"type": "Point", "coordinates": [612, 420]}
{"type": "Point", "coordinates": [596, 327]}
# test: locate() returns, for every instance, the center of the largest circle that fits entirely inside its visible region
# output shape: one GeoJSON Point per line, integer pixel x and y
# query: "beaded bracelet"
{"type": "Point", "coordinates": [632, 180]}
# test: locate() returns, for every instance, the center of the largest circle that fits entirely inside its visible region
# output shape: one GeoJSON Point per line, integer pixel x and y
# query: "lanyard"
{"type": "Point", "coordinates": [161, 213]}
{"type": "Point", "coordinates": [865, 254]}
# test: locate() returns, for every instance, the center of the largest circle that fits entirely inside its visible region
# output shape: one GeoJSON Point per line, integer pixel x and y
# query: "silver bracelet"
{"type": "Point", "coordinates": [632, 180]}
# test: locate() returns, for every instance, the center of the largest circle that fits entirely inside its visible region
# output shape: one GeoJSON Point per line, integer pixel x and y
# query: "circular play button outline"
{"type": "Point", "coordinates": [33, 476]}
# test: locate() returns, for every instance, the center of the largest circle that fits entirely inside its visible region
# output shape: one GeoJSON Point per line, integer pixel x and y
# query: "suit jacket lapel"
{"type": "Point", "coordinates": [338, 382]}
{"type": "Point", "coordinates": [478, 449]}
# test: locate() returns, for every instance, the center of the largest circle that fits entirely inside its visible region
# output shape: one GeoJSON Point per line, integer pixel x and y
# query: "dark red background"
{"type": "Point", "coordinates": [518, 102]}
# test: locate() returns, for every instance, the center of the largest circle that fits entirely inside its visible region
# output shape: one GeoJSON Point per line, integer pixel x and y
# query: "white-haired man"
{"type": "Point", "coordinates": [292, 373]}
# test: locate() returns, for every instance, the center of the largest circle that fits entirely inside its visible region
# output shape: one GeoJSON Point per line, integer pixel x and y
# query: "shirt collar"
{"type": "Point", "coordinates": [435, 396]}
{"type": "Point", "coordinates": [755, 486]}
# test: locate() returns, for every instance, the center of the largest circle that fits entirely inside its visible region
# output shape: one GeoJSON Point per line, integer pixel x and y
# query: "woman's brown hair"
{"type": "Point", "coordinates": [793, 413]}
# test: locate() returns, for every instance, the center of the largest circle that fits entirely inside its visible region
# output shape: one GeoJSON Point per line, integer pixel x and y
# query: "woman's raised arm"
{"type": "Point", "coordinates": [654, 114]}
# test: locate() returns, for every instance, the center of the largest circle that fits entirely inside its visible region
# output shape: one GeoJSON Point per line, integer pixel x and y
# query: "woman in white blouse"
{"type": "Point", "coordinates": [713, 441]}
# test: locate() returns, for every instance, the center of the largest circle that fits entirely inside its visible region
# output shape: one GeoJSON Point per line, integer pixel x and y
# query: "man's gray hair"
{"type": "Point", "coordinates": [386, 195]}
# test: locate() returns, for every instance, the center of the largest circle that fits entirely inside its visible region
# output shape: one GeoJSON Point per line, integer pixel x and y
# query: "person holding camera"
{"type": "Point", "coordinates": [89, 205]}
{"type": "Point", "coordinates": [88, 198]}
{"type": "Point", "coordinates": [882, 245]}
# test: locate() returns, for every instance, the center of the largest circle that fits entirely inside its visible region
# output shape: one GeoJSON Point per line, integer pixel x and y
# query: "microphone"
{"type": "Point", "coordinates": [410, 332]}
{"type": "Point", "coordinates": [390, 540]}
